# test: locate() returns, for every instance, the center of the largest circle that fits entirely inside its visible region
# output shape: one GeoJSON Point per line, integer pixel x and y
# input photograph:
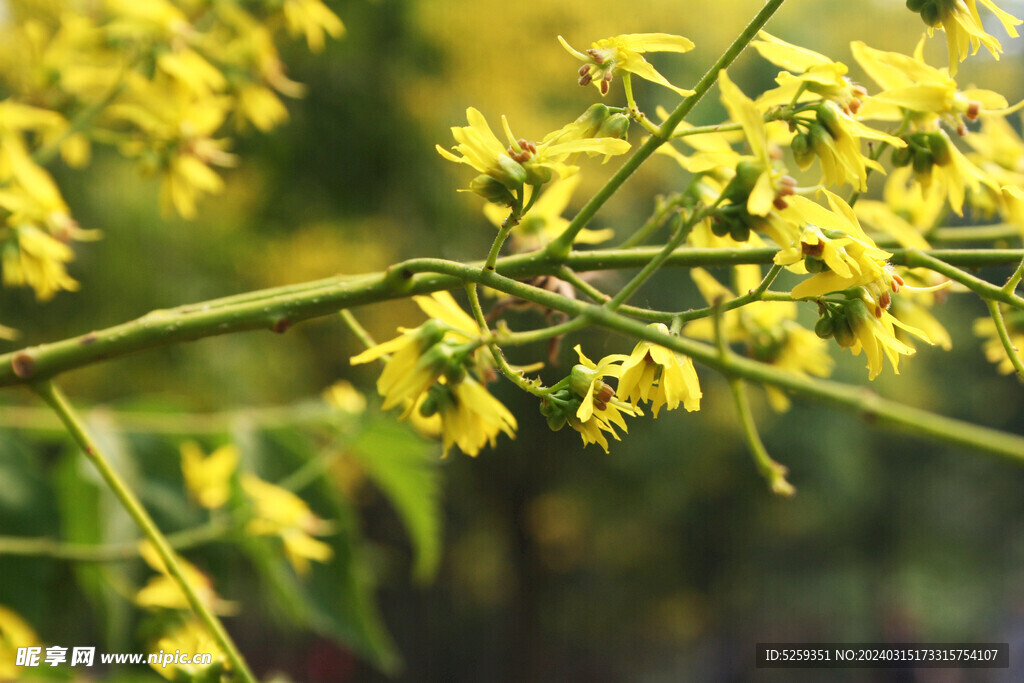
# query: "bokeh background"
{"type": "Point", "coordinates": [666, 559]}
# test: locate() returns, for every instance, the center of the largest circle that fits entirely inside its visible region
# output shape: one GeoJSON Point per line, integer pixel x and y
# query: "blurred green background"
{"type": "Point", "coordinates": [667, 559]}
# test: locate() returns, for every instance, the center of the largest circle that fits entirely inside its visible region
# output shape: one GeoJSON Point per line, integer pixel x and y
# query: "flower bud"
{"type": "Point", "coordinates": [492, 190]}
{"type": "Point", "coordinates": [923, 160]}
{"type": "Point", "coordinates": [825, 326]}
{"type": "Point", "coordinates": [814, 265]}
{"type": "Point", "coordinates": [580, 379]}
{"type": "Point", "coordinates": [509, 173]}
{"type": "Point", "coordinates": [902, 156]}
{"type": "Point", "coordinates": [802, 152]}
{"type": "Point", "coordinates": [828, 116]}
{"type": "Point", "coordinates": [589, 122]}
{"type": "Point", "coordinates": [615, 126]}
{"type": "Point", "coordinates": [931, 13]}
{"type": "Point", "coordinates": [843, 332]}
{"type": "Point", "coordinates": [536, 174]}
{"type": "Point", "coordinates": [556, 422]}
{"type": "Point", "coordinates": [938, 145]}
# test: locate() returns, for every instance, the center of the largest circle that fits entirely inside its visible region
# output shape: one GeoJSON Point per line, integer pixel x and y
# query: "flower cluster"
{"type": "Point", "coordinates": [163, 81]}
{"type": "Point", "coordinates": [438, 371]}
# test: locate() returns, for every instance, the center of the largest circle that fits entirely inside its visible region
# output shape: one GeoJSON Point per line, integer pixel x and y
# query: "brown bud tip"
{"type": "Point", "coordinates": [23, 365]}
{"type": "Point", "coordinates": [812, 249]}
{"type": "Point", "coordinates": [281, 325]}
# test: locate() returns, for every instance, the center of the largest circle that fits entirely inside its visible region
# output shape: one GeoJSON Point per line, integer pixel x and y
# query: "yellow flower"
{"type": "Point", "coordinates": [757, 186]}
{"type": "Point", "coordinates": [345, 397]}
{"type": "Point", "coordinates": [522, 162]}
{"type": "Point", "coordinates": [193, 639]}
{"type": "Point", "coordinates": [995, 352]}
{"type": "Point", "coordinates": [314, 19]}
{"type": "Point", "coordinates": [909, 85]}
{"type": "Point", "coordinates": [603, 421]}
{"type": "Point", "coordinates": [417, 358]}
{"type": "Point", "coordinates": [37, 260]}
{"type": "Point", "coordinates": [408, 369]}
{"type": "Point", "coordinates": [965, 31]}
{"type": "Point", "coordinates": [208, 479]}
{"type": "Point", "coordinates": [764, 188]}
{"type": "Point", "coordinates": [815, 73]}
{"type": "Point", "coordinates": [14, 633]}
{"type": "Point", "coordinates": [279, 512]}
{"type": "Point", "coordinates": [874, 332]}
{"type": "Point", "coordinates": [836, 140]}
{"type": "Point", "coordinates": [624, 54]}
{"type": "Point", "coordinates": [593, 408]}
{"type": "Point", "coordinates": [586, 381]}
{"type": "Point", "coordinates": [470, 416]}
{"type": "Point", "coordinates": [261, 107]}
{"type": "Point", "coordinates": [544, 221]}
{"type": "Point", "coordinates": [164, 591]}
{"type": "Point", "coordinates": [834, 245]}
{"type": "Point", "coordinates": [659, 375]}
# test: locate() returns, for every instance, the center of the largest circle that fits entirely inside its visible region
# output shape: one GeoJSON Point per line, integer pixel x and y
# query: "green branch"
{"type": "Point", "coordinates": [53, 396]}
{"type": "Point", "coordinates": [278, 308]}
{"type": "Point", "coordinates": [560, 246]}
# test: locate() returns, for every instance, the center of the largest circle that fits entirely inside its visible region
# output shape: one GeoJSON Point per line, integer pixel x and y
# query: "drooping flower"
{"type": "Point", "coordinates": [625, 54]}
{"type": "Point", "coordinates": [313, 19]}
{"type": "Point", "coordinates": [965, 31]}
{"type": "Point", "coordinates": [279, 512]}
{"type": "Point", "coordinates": [659, 375]}
{"type": "Point", "coordinates": [470, 416]}
{"type": "Point", "coordinates": [164, 590]}
{"type": "Point", "coordinates": [208, 479]}
{"type": "Point", "coordinates": [408, 370]}
{"type": "Point", "coordinates": [995, 352]}
{"type": "Point", "coordinates": [36, 259]}
{"type": "Point", "coordinates": [875, 333]}
{"type": "Point", "coordinates": [758, 188]}
{"type": "Point", "coordinates": [592, 408]}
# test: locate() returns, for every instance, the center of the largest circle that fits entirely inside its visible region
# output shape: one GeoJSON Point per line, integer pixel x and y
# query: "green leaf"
{"type": "Point", "coordinates": [402, 464]}
{"type": "Point", "coordinates": [336, 599]}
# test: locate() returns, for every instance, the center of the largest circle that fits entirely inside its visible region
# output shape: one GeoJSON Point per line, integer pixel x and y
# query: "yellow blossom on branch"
{"type": "Point", "coordinates": [279, 512]}
{"type": "Point", "coordinates": [965, 31]}
{"type": "Point", "coordinates": [164, 591]}
{"type": "Point", "coordinates": [625, 54]}
{"type": "Point", "coordinates": [208, 478]}
{"type": "Point", "coordinates": [659, 375]}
